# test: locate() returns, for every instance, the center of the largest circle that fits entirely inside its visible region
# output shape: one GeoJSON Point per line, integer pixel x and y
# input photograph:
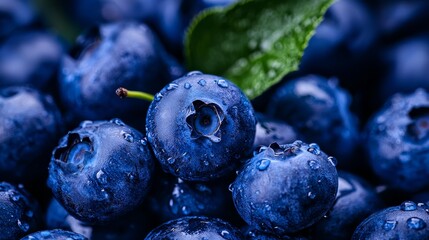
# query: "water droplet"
{"type": "Point", "coordinates": [85, 123]}
{"type": "Point", "coordinates": [194, 73]}
{"type": "Point", "coordinates": [101, 177]}
{"type": "Point", "coordinates": [171, 160]}
{"type": "Point", "coordinates": [187, 85]}
{"type": "Point", "coordinates": [185, 210]}
{"type": "Point", "coordinates": [132, 177]}
{"type": "Point", "coordinates": [311, 195]}
{"type": "Point", "coordinates": [224, 233]}
{"type": "Point", "coordinates": [314, 148]}
{"type": "Point", "coordinates": [172, 86]}
{"type": "Point", "coordinates": [128, 137]}
{"type": "Point", "coordinates": [333, 161]}
{"type": "Point", "coordinates": [389, 225]}
{"type": "Point", "coordinates": [117, 121]}
{"type": "Point", "coordinates": [202, 82]}
{"type": "Point", "coordinates": [158, 97]}
{"type": "Point", "coordinates": [263, 164]}
{"type": "Point", "coordinates": [257, 192]}
{"type": "Point", "coordinates": [105, 194]}
{"type": "Point", "coordinates": [267, 207]}
{"type": "Point", "coordinates": [297, 143]}
{"type": "Point", "coordinates": [206, 162]}
{"type": "Point", "coordinates": [408, 206]}
{"type": "Point", "coordinates": [15, 197]}
{"type": "Point", "coordinates": [231, 187]}
{"type": "Point", "coordinates": [313, 164]}
{"type": "Point", "coordinates": [416, 223]}
{"type": "Point", "coordinates": [222, 83]}
{"type": "Point", "coordinates": [23, 225]}
{"type": "Point", "coordinates": [143, 142]}
{"type": "Point", "coordinates": [171, 203]}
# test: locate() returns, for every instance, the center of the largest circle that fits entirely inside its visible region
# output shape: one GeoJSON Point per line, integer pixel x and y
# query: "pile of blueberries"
{"type": "Point", "coordinates": [337, 150]}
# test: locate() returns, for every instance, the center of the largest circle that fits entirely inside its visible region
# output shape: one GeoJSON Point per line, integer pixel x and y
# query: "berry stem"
{"type": "Point", "coordinates": [123, 93]}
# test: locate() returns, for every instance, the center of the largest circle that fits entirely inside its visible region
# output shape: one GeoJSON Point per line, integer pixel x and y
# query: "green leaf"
{"type": "Point", "coordinates": [253, 43]}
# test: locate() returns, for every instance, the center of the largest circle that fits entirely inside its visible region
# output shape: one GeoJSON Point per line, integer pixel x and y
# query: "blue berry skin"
{"type": "Point", "coordinates": [397, 142]}
{"type": "Point", "coordinates": [56, 234]}
{"type": "Point", "coordinates": [15, 15]}
{"type": "Point", "coordinates": [19, 212]}
{"type": "Point", "coordinates": [195, 228]}
{"type": "Point", "coordinates": [200, 126]}
{"type": "Point", "coordinates": [30, 58]}
{"type": "Point", "coordinates": [269, 130]}
{"type": "Point", "coordinates": [30, 124]}
{"type": "Point", "coordinates": [101, 170]}
{"type": "Point", "coordinates": [319, 111]}
{"type": "Point", "coordinates": [253, 234]}
{"type": "Point", "coordinates": [356, 200]}
{"type": "Point", "coordinates": [174, 198]}
{"type": "Point", "coordinates": [407, 221]}
{"type": "Point", "coordinates": [285, 188]}
{"type": "Point", "coordinates": [130, 226]}
{"type": "Point", "coordinates": [115, 55]}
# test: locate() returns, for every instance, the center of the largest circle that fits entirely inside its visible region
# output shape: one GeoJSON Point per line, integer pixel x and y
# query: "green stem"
{"type": "Point", "coordinates": [123, 93]}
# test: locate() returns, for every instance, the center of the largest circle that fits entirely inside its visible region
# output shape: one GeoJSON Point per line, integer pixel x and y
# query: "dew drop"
{"type": "Point", "coordinates": [171, 203]}
{"type": "Point", "coordinates": [185, 210]}
{"type": "Point", "coordinates": [202, 82]}
{"type": "Point", "coordinates": [267, 207]}
{"type": "Point", "coordinates": [101, 177]}
{"type": "Point", "coordinates": [231, 187]}
{"type": "Point", "coordinates": [23, 225]}
{"type": "Point", "coordinates": [314, 148]}
{"type": "Point", "coordinates": [313, 164]}
{"type": "Point", "coordinates": [158, 97]}
{"type": "Point", "coordinates": [333, 161]}
{"type": "Point", "coordinates": [143, 142]}
{"type": "Point", "coordinates": [416, 223]}
{"type": "Point", "coordinates": [172, 86]}
{"type": "Point", "coordinates": [206, 163]}
{"type": "Point", "coordinates": [171, 160]}
{"type": "Point", "coordinates": [311, 195]}
{"type": "Point", "coordinates": [408, 206]}
{"type": "Point", "coordinates": [194, 73]}
{"type": "Point", "coordinates": [117, 121]}
{"type": "Point", "coordinates": [128, 137]}
{"type": "Point", "coordinates": [263, 164]}
{"type": "Point", "coordinates": [187, 85]}
{"type": "Point", "coordinates": [222, 83]}
{"type": "Point", "coordinates": [105, 194]}
{"type": "Point", "coordinates": [85, 123]}
{"type": "Point", "coordinates": [257, 192]}
{"type": "Point", "coordinates": [224, 233]}
{"type": "Point", "coordinates": [389, 225]}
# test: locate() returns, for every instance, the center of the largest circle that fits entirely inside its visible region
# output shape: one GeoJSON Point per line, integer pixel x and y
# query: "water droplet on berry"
{"type": "Point", "coordinates": [23, 225]}
{"type": "Point", "coordinates": [408, 206]}
{"type": "Point", "coordinates": [314, 148]}
{"type": "Point", "coordinates": [202, 82]}
{"type": "Point", "coordinates": [171, 160]}
{"type": "Point", "coordinates": [105, 194]}
{"type": "Point", "coordinates": [206, 162]}
{"type": "Point", "coordinates": [222, 83]}
{"type": "Point", "coordinates": [128, 137]}
{"type": "Point", "coordinates": [117, 121]}
{"type": "Point", "coordinates": [257, 192]}
{"type": "Point", "coordinates": [231, 187]}
{"type": "Point", "coordinates": [389, 225]}
{"type": "Point", "coordinates": [333, 161]}
{"type": "Point", "coordinates": [311, 195]}
{"type": "Point", "coordinates": [85, 123]}
{"type": "Point", "coordinates": [143, 142]}
{"type": "Point", "coordinates": [194, 73]}
{"type": "Point", "coordinates": [263, 164]}
{"type": "Point", "coordinates": [172, 86]}
{"type": "Point", "coordinates": [158, 97]}
{"type": "Point", "coordinates": [416, 223]}
{"type": "Point", "coordinates": [101, 177]}
{"type": "Point", "coordinates": [185, 210]}
{"type": "Point", "coordinates": [224, 234]}
{"type": "Point", "coordinates": [313, 164]}
{"type": "Point", "coordinates": [187, 85]}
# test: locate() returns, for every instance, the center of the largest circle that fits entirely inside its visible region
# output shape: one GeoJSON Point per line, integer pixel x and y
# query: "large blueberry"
{"type": "Point", "coordinates": [115, 55]}
{"type": "Point", "coordinates": [398, 142]}
{"type": "Point", "coordinates": [19, 213]}
{"type": "Point", "coordinates": [407, 221]}
{"type": "Point", "coordinates": [356, 200]}
{"type": "Point", "coordinates": [30, 125]}
{"type": "Point", "coordinates": [319, 110]}
{"type": "Point", "coordinates": [101, 170]}
{"type": "Point", "coordinates": [30, 58]}
{"type": "Point", "coordinates": [195, 228]}
{"type": "Point", "coordinates": [56, 234]}
{"type": "Point", "coordinates": [200, 126]}
{"type": "Point", "coordinates": [285, 188]}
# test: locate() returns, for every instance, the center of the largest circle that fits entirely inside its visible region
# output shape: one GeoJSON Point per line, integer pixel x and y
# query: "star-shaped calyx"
{"type": "Point", "coordinates": [205, 120]}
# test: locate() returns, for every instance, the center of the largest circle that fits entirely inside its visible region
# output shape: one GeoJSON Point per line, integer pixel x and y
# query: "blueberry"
{"type": "Point", "coordinates": [285, 188]}
{"type": "Point", "coordinates": [129, 226]}
{"type": "Point", "coordinates": [30, 124]}
{"type": "Point", "coordinates": [30, 58]}
{"type": "Point", "coordinates": [101, 170]}
{"type": "Point", "coordinates": [254, 234]}
{"type": "Point", "coordinates": [19, 212]}
{"type": "Point", "coordinates": [120, 54]}
{"type": "Point", "coordinates": [174, 198]}
{"type": "Point", "coordinates": [200, 126]}
{"type": "Point", "coordinates": [195, 228]}
{"type": "Point", "coordinates": [398, 141]}
{"type": "Point", "coordinates": [356, 199]}
{"type": "Point", "coordinates": [56, 234]}
{"type": "Point", "coordinates": [319, 111]}
{"type": "Point", "coordinates": [407, 221]}
{"type": "Point", "coordinates": [15, 15]}
{"type": "Point", "coordinates": [269, 130]}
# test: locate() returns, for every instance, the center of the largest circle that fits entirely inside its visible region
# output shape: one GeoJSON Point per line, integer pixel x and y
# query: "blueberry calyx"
{"type": "Point", "coordinates": [76, 149]}
{"type": "Point", "coordinates": [204, 120]}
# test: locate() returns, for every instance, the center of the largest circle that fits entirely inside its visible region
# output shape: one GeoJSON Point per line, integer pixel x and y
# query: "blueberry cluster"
{"type": "Point", "coordinates": [336, 150]}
